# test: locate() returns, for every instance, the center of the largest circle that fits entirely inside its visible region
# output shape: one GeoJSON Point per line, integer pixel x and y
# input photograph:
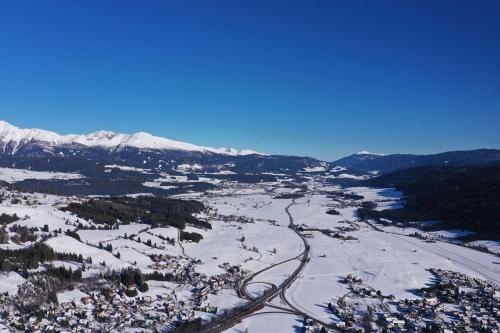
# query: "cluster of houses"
{"type": "Point", "coordinates": [102, 303]}
{"type": "Point", "coordinates": [456, 303]}
{"type": "Point", "coordinates": [99, 311]}
{"type": "Point", "coordinates": [181, 268]}
{"type": "Point", "coordinates": [339, 232]}
{"type": "Point", "coordinates": [463, 303]}
{"type": "Point", "coordinates": [103, 306]}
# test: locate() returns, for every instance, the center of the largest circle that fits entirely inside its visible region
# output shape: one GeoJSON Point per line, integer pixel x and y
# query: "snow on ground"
{"type": "Point", "coordinates": [66, 264]}
{"type": "Point", "coordinates": [158, 245]}
{"type": "Point", "coordinates": [126, 168]}
{"type": "Point", "coordinates": [167, 232]}
{"type": "Point", "coordinates": [172, 180]}
{"type": "Point", "coordinates": [135, 252]}
{"type": "Point", "coordinates": [96, 236]}
{"type": "Point", "coordinates": [37, 211]}
{"type": "Point", "coordinates": [10, 282]}
{"type": "Point", "coordinates": [451, 234]}
{"type": "Point", "coordinates": [133, 257]}
{"type": "Point", "coordinates": [4, 329]}
{"type": "Point", "coordinates": [226, 299]}
{"type": "Point", "coordinates": [268, 320]}
{"type": "Point", "coordinates": [157, 184]}
{"type": "Point", "coordinates": [67, 244]}
{"type": "Point", "coordinates": [268, 239]}
{"type": "Point", "coordinates": [71, 296]}
{"type": "Point", "coordinates": [189, 167]}
{"type": "Point", "coordinates": [255, 204]}
{"type": "Point", "coordinates": [162, 288]}
{"type": "Point", "coordinates": [223, 244]}
{"type": "Point", "coordinates": [389, 261]}
{"type": "Point", "coordinates": [314, 169]}
{"type": "Point", "coordinates": [395, 264]}
{"type": "Point", "coordinates": [285, 190]}
{"type": "Point", "coordinates": [11, 175]}
{"type": "Point", "coordinates": [221, 172]}
{"type": "Point", "coordinates": [493, 246]}
{"type": "Point", "coordinates": [218, 246]}
{"type": "Point", "coordinates": [148, 237]}
{"type": "Point", "coordinates": [136, 195]}
{"type": "Point", "coordinates": [38, 216]}
{"type": "Point", "coordinates": [349, 176]}
{"type": "Point", "coordinates": [337, 168]}
{"type": "Point", "coordinates": [311, 211]}
{"type": "Point", "coordinates": [276, 276]}
{"type": "Point", "coordinates": [386, 198]}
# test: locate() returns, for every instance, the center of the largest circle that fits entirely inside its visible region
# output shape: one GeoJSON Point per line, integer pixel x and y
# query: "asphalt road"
{"type": "Point", "coordinates": [236, 315]}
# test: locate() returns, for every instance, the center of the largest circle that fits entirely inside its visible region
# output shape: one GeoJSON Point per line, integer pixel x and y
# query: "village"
{"type": "Point", "coordinates": [456, 303]}
{"type": "Point", "coordinates": [102, 304]}
{"type": "Point", "coordinates": [172, 291]}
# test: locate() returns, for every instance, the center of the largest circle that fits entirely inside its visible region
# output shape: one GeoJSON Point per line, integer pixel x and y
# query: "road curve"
{"type": "Point", "coordinates": [305, 259]}
{"type": "Point", "coordinates": [236, 315]}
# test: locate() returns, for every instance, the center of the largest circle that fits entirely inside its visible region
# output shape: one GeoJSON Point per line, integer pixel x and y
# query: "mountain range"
{"type": "Point", "coordinates": [14, 139]}
{"type": "Point", "coordinates": [91, 155]}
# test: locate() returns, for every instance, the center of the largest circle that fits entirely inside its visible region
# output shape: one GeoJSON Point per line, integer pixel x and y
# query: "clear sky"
{"type": "Point", "coordinates": [317, 78]}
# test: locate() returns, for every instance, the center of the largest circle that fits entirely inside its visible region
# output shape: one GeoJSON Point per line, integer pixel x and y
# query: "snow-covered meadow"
{"type": "Point", "coordinates": [11, 175]}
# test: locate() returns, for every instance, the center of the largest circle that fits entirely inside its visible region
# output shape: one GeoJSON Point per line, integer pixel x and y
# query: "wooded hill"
{"type": "Point", "coordinates": [145, 209]}
{"type": "Point", "coordinates": [465, 197]}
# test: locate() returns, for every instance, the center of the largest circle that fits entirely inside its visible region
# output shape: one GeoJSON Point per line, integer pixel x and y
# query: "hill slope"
{"type": "Point", "coordinates": [461, 197]}
{"type": "Point", "coordinates": [364, 163]}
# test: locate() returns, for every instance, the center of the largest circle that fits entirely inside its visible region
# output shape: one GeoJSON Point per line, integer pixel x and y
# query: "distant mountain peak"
{"type": "Point", "coordinates": [364, 152]}
{"type": "Point", "coordinates": [102, 135]}
{"type": "Point", "coordinates": [13, 138]}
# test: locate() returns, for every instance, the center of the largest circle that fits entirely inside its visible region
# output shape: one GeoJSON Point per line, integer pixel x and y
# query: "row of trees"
{"type": "Point", "coordinates": [31, 257]}
{"type": "Point", "coordinates": [191, 236]}
{"type": "Point", "coordinates": [22, 234]}
{"type": "Point", "coordinates": [6, 218]}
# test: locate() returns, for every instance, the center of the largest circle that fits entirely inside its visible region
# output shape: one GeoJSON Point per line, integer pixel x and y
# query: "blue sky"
{"type": "Point", "coordinates": [317, 78]}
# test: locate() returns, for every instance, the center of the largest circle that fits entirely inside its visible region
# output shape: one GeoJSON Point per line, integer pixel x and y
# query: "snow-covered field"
{"type": "Point", "coordinates": [110, 167]}
{"type": "Point", "coordinates": [11, 175]}
{"type": "Point", "coordinates": [9, 282]}
{"type": "Point", "coordinates": [173, 180]}
{"type": "Point", "coordinates": [395, 264]}
{"type": "Point", "coordinates": [493, 246]}
{"type": "Point", "coordinates": [67, 244]}
{"type": "Point", "coordinates": [71, 296]}
{"type": "Point", "coordinates": [268, 320]}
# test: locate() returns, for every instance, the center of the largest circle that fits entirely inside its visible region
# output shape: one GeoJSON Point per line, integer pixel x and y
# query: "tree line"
{"type": "Point", "coordinates": [150, 210]}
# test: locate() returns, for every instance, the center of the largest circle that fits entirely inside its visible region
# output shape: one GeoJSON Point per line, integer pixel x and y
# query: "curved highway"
{"type": "Point", "coordinates": [255, 304]}
{"type": "Point", "coordinates": [236, 315]}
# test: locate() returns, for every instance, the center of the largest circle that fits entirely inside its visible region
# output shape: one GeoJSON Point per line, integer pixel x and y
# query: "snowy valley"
{"type": "Point", "coordinates": [273, 256]}
{"type": "Point", "coordinates": [107, 233]}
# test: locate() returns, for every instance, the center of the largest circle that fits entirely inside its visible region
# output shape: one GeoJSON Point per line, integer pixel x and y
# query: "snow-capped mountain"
{"type": "Point", "coordinates": [91, 155]}
{"type": "Point", "coordinates": [364, 152]}
{"type": "Point", "coordinates": [138, 159]}
{"type": "Point", "coordinates": [13, 138]}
